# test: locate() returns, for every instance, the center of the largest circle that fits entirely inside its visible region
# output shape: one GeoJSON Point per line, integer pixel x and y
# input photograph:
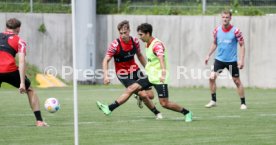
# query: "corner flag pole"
{"type": "Point", "coordinates": [75, 85]}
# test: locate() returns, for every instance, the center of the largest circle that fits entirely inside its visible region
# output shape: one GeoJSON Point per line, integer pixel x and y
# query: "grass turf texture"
{"type": "Point", "coordinates": [128, 125]}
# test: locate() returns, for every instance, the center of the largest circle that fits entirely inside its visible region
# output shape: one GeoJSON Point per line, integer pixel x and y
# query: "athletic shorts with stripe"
{"type": "Point", "coordinates": [231, 66]}
{"type": "Point", "coordinates": [161, 89]}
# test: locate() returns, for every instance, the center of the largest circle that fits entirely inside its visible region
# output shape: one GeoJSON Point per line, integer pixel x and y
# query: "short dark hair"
{"type": "Point", "coordinates": [145, 28]}
{"type": "Point", "coordinates": [13, 23]}
{"type": "Point", "coordinates": [227, 12]}
{"type": "Point", "coordinates": [122, 24]}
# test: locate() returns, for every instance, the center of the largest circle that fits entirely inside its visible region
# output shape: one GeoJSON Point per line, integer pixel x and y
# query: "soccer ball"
{"type": "Point", "coordinates": [52, 105]}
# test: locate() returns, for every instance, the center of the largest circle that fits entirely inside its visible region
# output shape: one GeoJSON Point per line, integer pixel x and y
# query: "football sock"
{"type": "Point", "coordinates": [214, 97]}
{"type": "Point", "coordinates": [113, 106]}
{"type": "Point", "coordinates": [38, 115]}
{"type": "Point", "coordinates": [184, 111]}
{"type": "Point", "coordinates": [243, 100]}
{"type": "Point", "coordinates": [154, 110]}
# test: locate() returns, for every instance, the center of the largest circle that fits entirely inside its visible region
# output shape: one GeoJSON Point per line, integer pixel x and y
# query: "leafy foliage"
{"type": "Point", "coordinates": [31, 72]}
{"type": "Point", "coordinates": [42, 28]}
{"type": "Point", "coordinates": [156, 7]}
{"type": "Point", "coordinates": [38, 7]}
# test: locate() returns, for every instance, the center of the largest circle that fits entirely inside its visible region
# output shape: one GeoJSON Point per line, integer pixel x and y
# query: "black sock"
{"type": "Point", "coordinates": [38, 115]}
{"type": "Point", "coordinates": [243, 100]}
{"type": "Point", "coordinates": [113, 106]}
{"type": "Point", "coordinates": [214, 97]}
{"type": "Point", "coordinates": [184, 111]}
{"type": "Point", "coordinates": [154, 110]}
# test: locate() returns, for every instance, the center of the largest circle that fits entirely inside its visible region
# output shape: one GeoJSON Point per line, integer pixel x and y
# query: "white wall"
{"type": "Point", "coordinates": [188, 39]}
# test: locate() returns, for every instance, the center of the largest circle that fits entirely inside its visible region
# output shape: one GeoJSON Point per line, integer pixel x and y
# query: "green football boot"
{"type": "Point", "coordinates": [104, 108]}
{"type": "Point", "coordinates": [189, 117]}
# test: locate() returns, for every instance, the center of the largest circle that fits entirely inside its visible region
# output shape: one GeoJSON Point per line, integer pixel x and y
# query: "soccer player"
{"type": "Point", "coordinates": [226, 39]}
{"type": "Point", "coordinates": [10, 45]}
{"type": "Point", "coordinates": [157, 71]}
{"type": "Point", "coordinates": [123, 50]}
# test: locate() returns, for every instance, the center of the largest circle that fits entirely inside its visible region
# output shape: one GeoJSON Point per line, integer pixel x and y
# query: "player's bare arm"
{"type": "Point", "coordinates": [211, 51]}
{"type": "Point", "coordinates": [163, 68]}
{"type": "Point", "coordinates": [141, 58]}
{"type": "Point", "coordinates": [22, 68]}
{"type": "Point", "coordinates": [241, 56]}
{"type": "Point", "coordinates": [105, 63]}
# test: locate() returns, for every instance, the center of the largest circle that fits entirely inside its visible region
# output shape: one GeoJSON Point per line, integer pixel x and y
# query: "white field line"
{"type": "Point", "coordinates": [231, 116]}
{"type": "Point", "coordinates": [267, 114]}
{"type": "Point", "coordinates": [132, 120]}
{"type": "Point", "coordinates": [153, 117]}
{"type": "Point", "coordinates": [17, 115]}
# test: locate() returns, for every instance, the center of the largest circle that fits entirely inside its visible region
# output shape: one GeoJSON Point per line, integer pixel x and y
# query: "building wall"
{"type": "Point", "coordinates": [187, 39]}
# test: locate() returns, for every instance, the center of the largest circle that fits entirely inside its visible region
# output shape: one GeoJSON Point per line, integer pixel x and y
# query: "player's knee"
{"type": "Point", "coordinates": [30, 90]}
{"type": "Point", "coordinates": [237, 82]}
{"type": "Point", "coordinates": [164, 103]}
{"type": "Point", "coordinates": [150, 95]}
{"type": "Point", "coordinates": [143, 95]}
{"type": "Point", "coordinates": [212, 77]}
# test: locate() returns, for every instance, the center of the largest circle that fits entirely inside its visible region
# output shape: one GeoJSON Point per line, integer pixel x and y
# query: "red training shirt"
{"type": "Point", "coordinates": [7, 61]}
{"type": "Point", "coordinates": [128, 67]}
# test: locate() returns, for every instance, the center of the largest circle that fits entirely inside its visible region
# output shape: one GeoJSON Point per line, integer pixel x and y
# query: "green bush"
{"type": "Point", "coordinates": [253, 12]}
{"type": "Point", "coordinates": [31, 72]}
{"type": "Point", "coordinates": [42, 28]}
{"type": "Point", "coordinates": [106, 7]}
{"type": "Point", "coordinates": [38, 7]}
{"type": "Point", "coordinates": [141, 8]}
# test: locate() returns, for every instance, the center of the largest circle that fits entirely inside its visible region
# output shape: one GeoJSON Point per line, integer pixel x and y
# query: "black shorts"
{"type": "Point", "coordinates": [231, 66]}
{"type": "Point", "coordinates": [13, 78]}
{"type": "Point", "coordinates": [161, 89]}
{"type": "Point", "coordinates": [132, 78]}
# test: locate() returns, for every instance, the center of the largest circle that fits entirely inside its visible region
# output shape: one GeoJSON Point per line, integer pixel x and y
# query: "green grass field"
{"type": "Point", "coordinates": [225, 124]}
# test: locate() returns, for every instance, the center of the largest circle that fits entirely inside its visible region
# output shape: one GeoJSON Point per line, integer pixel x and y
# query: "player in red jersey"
{"type": "Point", "coordinates": [123, 51]}
{"type": "Point", "coordinates": [10, 45]}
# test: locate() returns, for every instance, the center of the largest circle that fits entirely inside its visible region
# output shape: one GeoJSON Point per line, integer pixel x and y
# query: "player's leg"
{"type": "Point", "coordinates": [33, 99]}
{"type": "Point", "coordinates": [212, 83]}
{"type": "Point", "coordinates": [146, 96]}
{"type": "Point", "coordinates": [234, 70]}
{"type": "Point", "coordinates": [146, 92]}
{"type": "Point", "coordinates": [34, 103]}
{"type": "Point", "coordinates": [218, 68]}
{"type": "Point", "coordinates": [14, 79]}
{"type": "Point", "coordinates": [128, 92]}
{"type": "Point", "coordinates": [163, 95]}
{"type": "Point", "coordinates": [150, 93]}
{"type": "Point", "coordinates": [128, 80]}
{"type": "Point", "coordinates": [213, 87]}
{"type": "Point", "coordinates": [240, 90]}
{"type": "Point", "coordinates": [140, 75]}
{"type": "Point", "coordinates": [107, 109]}
{"type": "Point", "coordinates": [139, 101]}
{"type": "Point", "coordinates": [134, 88]}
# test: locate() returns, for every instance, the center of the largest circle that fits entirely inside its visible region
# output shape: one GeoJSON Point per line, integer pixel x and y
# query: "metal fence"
{"type": "Point", "coordinates": [211, 2]}
{"type": "Point", "coordinates": [38, 6]}
{"type": "Point", "coordinates": [265, 6]}
{"type": "Point", "coordinates": [133, 6]}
